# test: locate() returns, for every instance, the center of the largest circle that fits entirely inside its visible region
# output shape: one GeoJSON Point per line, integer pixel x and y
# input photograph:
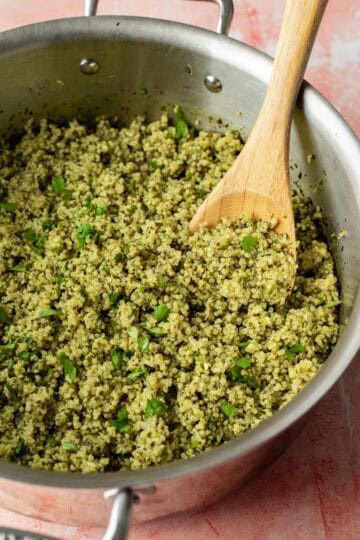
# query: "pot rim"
{"type": "Point", "coordinates": [242, 56]}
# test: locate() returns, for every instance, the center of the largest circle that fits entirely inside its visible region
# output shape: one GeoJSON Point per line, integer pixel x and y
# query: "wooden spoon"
{"type": "Point", "coordinates": [257, 183]}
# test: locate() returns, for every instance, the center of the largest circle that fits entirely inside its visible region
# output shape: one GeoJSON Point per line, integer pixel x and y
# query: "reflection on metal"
{"type": "Point", "coordinates": [213, 84]}
{"type": "Point", "coordinates": [119, 522]}
{"type": "Point", "coordinates": [88, 66]}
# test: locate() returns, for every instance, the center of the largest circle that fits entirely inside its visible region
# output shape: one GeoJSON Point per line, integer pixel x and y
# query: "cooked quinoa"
{"type": "Point", "coordinates": [126, 341]}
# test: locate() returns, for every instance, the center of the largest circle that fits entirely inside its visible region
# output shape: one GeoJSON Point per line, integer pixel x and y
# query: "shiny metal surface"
{"type": "Point", "coordinates": [88, 66]}
{"type": "Point", "coordinates": [14, 534]}
{"type": "Point", "coordinates": [42, 67]}
{"type": "Point", "coordinates": [226, 14]}
{"type": "Point", "coordinates": [226, 11]}
{"type": "Point", "coordinates": [119, 522]}
{"type": "Point", "coordinates": [213, 83]}
{"type": "Point", "coordinates": [90, 7]}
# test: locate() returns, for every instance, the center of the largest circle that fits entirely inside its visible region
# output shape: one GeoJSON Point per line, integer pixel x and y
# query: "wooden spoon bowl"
{"type": "Point", "coordinates": [257, 184]}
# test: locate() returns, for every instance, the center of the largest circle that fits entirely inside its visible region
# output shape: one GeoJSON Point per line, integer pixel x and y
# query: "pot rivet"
{"type": "Point", "coordinates": [213, 84]}
{"type": "Point", "coordinates": [88, 66]}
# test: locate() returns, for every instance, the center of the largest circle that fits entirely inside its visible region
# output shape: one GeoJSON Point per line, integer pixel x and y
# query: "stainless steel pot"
{"type": "Point", "coordinates": [123, 66]}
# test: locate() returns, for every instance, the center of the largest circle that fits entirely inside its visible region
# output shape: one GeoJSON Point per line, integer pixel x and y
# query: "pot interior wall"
{"type": "Point", "coordinates": [147, 67]}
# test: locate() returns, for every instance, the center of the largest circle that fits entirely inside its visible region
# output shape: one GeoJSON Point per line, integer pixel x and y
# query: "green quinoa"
{"type": "Point", "coordinates": [125, 341]}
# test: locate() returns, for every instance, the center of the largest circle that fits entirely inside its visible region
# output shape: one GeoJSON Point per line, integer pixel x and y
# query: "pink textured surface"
{"type": "Point", "coordinates": [313, 490]}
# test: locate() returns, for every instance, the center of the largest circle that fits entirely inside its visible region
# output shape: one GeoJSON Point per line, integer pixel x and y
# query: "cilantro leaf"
{"type": "Point", "coordinates": [69, 446]}
{"type": "Point", "coordinates": [84, 232]}
{"type": "Point", "coordinates": [161, 313]}
{"type": "Point", "coordinates": [49, 312]}
{"type": "Point", "coordinates": [227, 409]}
{"type": "Point", "coordinates": [137, 373]}
{"type": "Point", "coordinates": [154, 407]}
{"type": "Point", "coordinates": [143, 343]}
{"type": "Point", "coordinates": [292, 350]}
{"type": "Point", "coordinates": [248, 243]}
{"type": "Point", "coordinates": [116, 358]}
{"type": "Point", "coordinates": [100, 210]}
{"type": "Point", "coordinates": [36, 244]}
{"type": "Point", "coordinates": [243, 363]}
{"type": "Point", "coordinates": [119, 257]}
{"type": "Point", "coordinates": [8, 348]}
{"type": "Point", "coordinates": [181, 128]}
{"type": "Point", "coordinates": [20, 448]}
{"type": "Point", "coordinates": [4, 317]}
{"type": "Point", "coordinates": [59, 187]}
{"type": "Point", "coordinates": [121, 422]}
{"type": "Point", "coordinates": [8, 206]}
{"type": "Point", "coordinates": [69, 368]}
{"type": "Point", "coordinates": [19, 268]}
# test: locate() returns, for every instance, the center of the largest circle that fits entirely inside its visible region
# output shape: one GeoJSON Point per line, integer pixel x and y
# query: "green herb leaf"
{"type": "Point", "coordinates": [8, 348]}
{"type": "Point", "coordinates": [49, 312]}
{"type": "Point", "coordinates": [89, 204]}
{"type": "Point", "coordinates": [244, 344]}
{"type": "Point", "coordinates": [47, 225]}
{"type": "Point", "coordinates": [227, 409]}
{"type": "Point", "coordinates": [69, 446]}
{"type": "Point", "coordinates": [134, 332]}
{"type": "Point", "coordinates": [19, 268]}
{"type": "Point", "coordinates": [29, 236]}
{"type": "Point", "coordinates": [10, 364]}
{"type": "Point", "coordinates": [237, 376]}
{"type": "Point", "coordinates": [51, 441]}
{"type": "Point", "coordinates": [161, 313]}
{"type": "Point", "coordinates": [248, 243]}
{"type": "Point", "coordinates": [24, 355]}
{"type": "Point", "coordinates": [294, 349]}
{"type": "Point", "coordinates": [172, 132]}
{"type": "Point", "coordinates": [69, 368]}
{"type": "Point", "coordinates": [251, 383]}
{"type": "Point", "coordinates": [60, 278]}
{"type": "Point", "coordinates": [100, 210]}
{"type": "Point", "coordinates": [12, 393]}
{"type": "Point", "coordinates": [154, 164]}
{"type": "Point", "coordinates": [131, 209]}
{"type": "Point", "coordinates": [194, 444]}
{"type": "Point", "coordinates": [153, 330]}
{"type": "Point", "coordinates": [37, 245]}
{"type": "Point", "coordinates": [243, 363]}
{"type": "Point", "coordinates": [181, 128]}
{"type": "Point", "coordinates": [119, 257]}
{"type": "Point", "coordinates": [4, 317]}
{"type": "Point", "coordinates": [154, 407]}
{"type": "Point", "coordinates": [162, 281]}
{"type": "Point", "coordinates": [20, 448]}
{"type": "Point", "coordinates": [8, 206]}
{"type": "Point", "coordinates": [114, 298]}
{"type": "Point", "coordinates": [84, 232]}
{"type": "Point", "coordinates": [59, 187]}
{"type": "Point", "coordinates": [121, 422]}
{"type": "Point", "coordinates": [83, 292]}
{"type": "Point", "coordinates": [137, 373]}
{"type": "Point", "coordinates": [143, 343]}
{"type": "Point", "coordinates": [116, 358]}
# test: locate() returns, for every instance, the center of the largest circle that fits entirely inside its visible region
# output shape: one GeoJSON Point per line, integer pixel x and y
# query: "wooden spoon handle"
{"type": "Point", "coordinates": [299, 27]}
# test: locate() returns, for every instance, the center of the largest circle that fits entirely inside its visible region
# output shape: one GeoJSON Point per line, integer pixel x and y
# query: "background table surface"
{"type": "Point", "coordinates": [313, 490]}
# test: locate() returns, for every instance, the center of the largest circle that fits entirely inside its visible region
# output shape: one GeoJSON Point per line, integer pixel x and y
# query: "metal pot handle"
{"type": "Point", "coordinates": [117, 528]}
{"type": "Point", "coordinates": [223, 25]}
{"type": "Point", "coordinates": [120, 517]}
{"type": "Point", "coordinates": [15, 534]}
